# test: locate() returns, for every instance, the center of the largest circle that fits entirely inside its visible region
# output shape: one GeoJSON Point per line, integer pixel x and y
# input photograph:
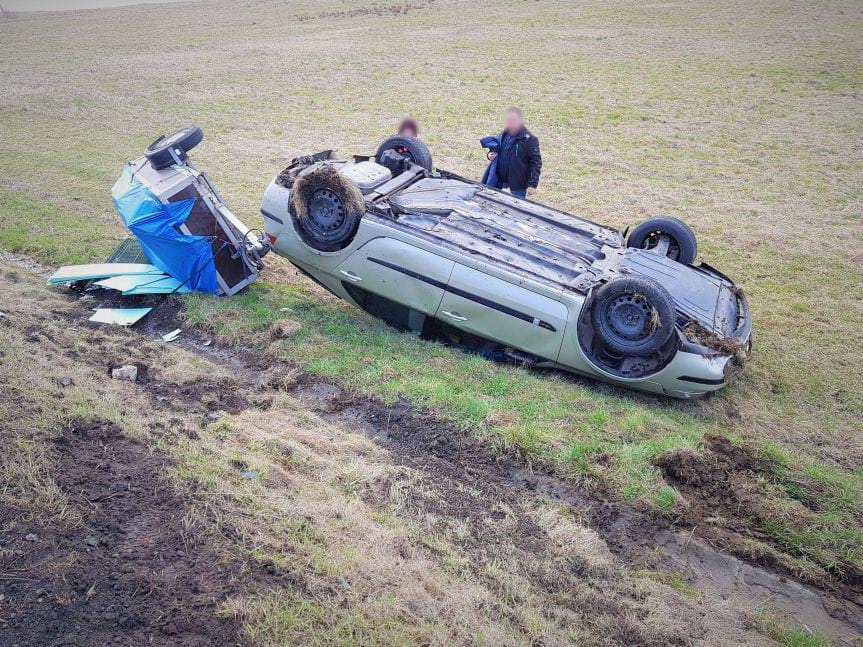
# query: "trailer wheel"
{"type": "Point", "coordinates": [411, 147]}
{"type": "Point", "coordinates": [671, 235]}
{"type": "Point", "coordinates": [633, 316]}
{"type": "Point", "coordinates": [181, 142]}
{"type": "Point", "coordinates": [326, 208]}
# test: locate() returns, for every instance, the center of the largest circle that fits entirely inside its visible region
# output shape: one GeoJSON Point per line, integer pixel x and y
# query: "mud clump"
{"type": "Point", "coordinates": [284, 328]}
{"type": "Point", "coordinates": [731, 497]}
{"type": "Point", "coordinates": [707, 472]}
{"type": "Point", "coordinates": [724, 492]}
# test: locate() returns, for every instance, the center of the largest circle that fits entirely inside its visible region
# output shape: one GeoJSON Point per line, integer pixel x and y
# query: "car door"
{"type": "Point", "coordinates": [504, 312]}
{"type": "Point", "coordinates": [397, 271]}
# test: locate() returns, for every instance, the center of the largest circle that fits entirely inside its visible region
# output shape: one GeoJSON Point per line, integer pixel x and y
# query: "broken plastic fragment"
{"type": "Point", "coordinates": [72, 273]}
{"type": "Point", "coordinates": [119, 316]}
{"type": "Point", "coordinates": [171, 336]}
{"type": "Point", "coordinates": [143, 284]}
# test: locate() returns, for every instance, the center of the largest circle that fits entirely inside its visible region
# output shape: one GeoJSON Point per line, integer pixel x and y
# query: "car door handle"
{"type": "Point", "coordinates": [353, 277]}
{"type": "Point", "coordinates": [453, 315]}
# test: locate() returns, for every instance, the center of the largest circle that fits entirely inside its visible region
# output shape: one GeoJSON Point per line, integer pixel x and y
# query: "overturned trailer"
{"type": "Point", "coordinates": [184, 227]}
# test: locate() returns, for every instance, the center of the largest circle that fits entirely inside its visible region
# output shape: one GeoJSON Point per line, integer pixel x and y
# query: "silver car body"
{"type": "Point", "coordinates": [508, 270]}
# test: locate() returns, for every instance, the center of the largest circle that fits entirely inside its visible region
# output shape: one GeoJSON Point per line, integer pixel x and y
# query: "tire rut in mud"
{"type": "Point", "coordinates": [137, 570]}
{"type": "Point", "coordinates": [423, 441]}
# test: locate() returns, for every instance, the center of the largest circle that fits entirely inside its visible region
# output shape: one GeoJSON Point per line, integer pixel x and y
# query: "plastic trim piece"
{"type": "Point", "coordinates": [701, 380]}
{"type": "Point", "coordinates": [119, 316]}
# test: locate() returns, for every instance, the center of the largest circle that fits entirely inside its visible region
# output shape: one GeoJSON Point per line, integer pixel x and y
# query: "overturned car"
{"type": "Point", "coordinates": [419, 246]}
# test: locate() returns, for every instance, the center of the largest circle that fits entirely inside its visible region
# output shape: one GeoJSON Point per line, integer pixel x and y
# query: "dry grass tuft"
{"type": "Point", "coordinates": [284, 328]}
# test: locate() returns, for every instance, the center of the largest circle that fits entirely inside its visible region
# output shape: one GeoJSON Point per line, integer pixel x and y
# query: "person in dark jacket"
{"type": "Point", "coordinates": [517, 162]}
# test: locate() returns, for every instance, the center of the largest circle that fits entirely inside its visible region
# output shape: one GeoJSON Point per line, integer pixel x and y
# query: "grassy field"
{"type": "Point", "coordinates": [743, 118]}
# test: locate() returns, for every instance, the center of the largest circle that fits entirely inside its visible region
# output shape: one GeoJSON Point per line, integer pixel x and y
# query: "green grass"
{"type": "Point", "coordinates": [49, 234]}
{"type": "Point", "coordinates": [283, 617]}
{"type": "Point", "coordinates": [547, 413]}
{"type": "Point", "coordinates": [746, 123]}
{"type": "Point", "coordinates": [772, 627]}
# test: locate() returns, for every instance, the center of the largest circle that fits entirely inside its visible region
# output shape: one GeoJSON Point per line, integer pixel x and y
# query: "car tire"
{"type": "Point", "coordinates": [326, 208]}
{"type": "Point", "coordinates": [683, 246]}
{"type": "Point", "coordinates": [181, 142]}
{"type": "Point", "coordinates": [633, 316]}
{"type": "Point", "coordinates": [412, 147]}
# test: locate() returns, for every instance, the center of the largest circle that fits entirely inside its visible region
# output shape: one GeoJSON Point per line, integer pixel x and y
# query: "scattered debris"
{"type": "Point", "coordinates": [66, 381]}
{"type": "Point", "coordinates": [213, 416]}
{"type": "Point", "coordinates": [249, 474]}
{"type": "Point", "coordinates": [207, 342]}
{"type": "Point", "coordinates": [91, 541]}
{"type": "Point", "coordinates": [119, 316]}
{"type": "Point", "coordinates": [74, 273]}
{"type": "Point", "coordinates": [144, 284]}
{"type": "Point", "coordinates": [31, 537]}
{"type": "Point", "coordinates": [171, 336]}
{"type": "Point", "coordinates": [128, 372]}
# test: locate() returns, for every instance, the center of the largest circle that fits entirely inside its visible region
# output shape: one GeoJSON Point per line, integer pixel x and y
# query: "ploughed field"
{"type": "Point", "coordinates": [743, 119]}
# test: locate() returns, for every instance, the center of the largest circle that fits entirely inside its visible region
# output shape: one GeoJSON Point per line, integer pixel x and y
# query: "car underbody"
{"type": "Point", "coordinates": [425, 246]}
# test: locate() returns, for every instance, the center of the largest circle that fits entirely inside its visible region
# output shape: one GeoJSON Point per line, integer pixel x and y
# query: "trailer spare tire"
{"type": "Point", "coordinates": [326, 208]}
{"type": "Point", "coordinates": [411, 147]}
{"type": "Point", "coordinates": [181, 142]}
{"type": "Point", "coordinates": [633, 316]}
{"type": "Point", "coordinates": [673, 234]}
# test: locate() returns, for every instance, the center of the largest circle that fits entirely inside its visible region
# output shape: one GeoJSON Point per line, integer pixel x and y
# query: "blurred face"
{"type": "Point", "coordinates": [512, 122]}
{"type": "Point", "coordinates": [408, 131]}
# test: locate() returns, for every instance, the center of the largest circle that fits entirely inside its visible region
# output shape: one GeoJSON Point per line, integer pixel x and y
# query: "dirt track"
{"type": "Point", "coordinates": [142, 563]}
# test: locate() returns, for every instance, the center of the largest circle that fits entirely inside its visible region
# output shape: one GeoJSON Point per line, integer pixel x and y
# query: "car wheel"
{"type": "Point", "coordinates": [670, 236]}
{"type": "Point", "coordinates": [327, 208]}
{"type": "Point", "coordinates": [633, 316]}
{"type": "Point", "coordinates": [181, 142]}
{"type": "Point", "coordinates": [411, 147]}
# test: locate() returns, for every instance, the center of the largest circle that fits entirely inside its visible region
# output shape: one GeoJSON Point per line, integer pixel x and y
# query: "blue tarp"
{"type": "Point", "coordinates": [189, 259]}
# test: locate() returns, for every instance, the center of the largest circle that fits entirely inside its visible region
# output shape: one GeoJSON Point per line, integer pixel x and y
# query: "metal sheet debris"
{"type": "Point", "coordinates": [72, 273]}
{"type": "Point", "coordinates": [143, 284]}
{"type": "Point", "coordinates": [119, 316]}
{"type": "Point", "coordinates": [166, 285]}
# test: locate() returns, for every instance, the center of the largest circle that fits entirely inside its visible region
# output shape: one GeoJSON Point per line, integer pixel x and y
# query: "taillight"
{"type": "Point", "coordinates": [272, 238]}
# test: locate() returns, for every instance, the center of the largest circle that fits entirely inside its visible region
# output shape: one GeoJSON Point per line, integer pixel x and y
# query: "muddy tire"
{"type": "Point", "coordinates": [181, 142]}
{"type": "Point", "coordinates": [326, 208]}
{"type": "Point", "coordinates": [666, 231]}
{"type": "Point", "coordinates": [412, 147]}
{"type": "Point", "coordinates": [633, 316]}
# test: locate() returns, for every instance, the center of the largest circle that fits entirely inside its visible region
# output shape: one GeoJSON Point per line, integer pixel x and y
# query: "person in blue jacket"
{"type": "Point", "coordinates": [516, 162]}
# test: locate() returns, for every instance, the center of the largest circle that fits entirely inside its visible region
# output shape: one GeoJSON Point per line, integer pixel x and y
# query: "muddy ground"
{"type": "Point", "coordinates": [143, 565]}
{"type": "Point", "coordinates": [133, 572]}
